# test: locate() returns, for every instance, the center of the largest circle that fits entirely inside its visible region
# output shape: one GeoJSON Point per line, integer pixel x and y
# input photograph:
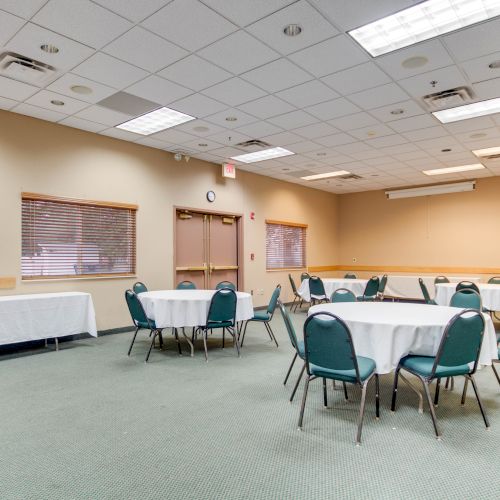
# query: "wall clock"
{"type": "Point", "coordinates": [210, 196]}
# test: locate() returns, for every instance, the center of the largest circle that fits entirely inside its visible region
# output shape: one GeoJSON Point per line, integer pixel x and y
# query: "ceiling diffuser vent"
{"type": "Point", "coordinates": [449, 98]}
{"type": "Point", "coordinates": [23, 68]}
{"type": "Point", "coordinates": [349, 177]}
{"type": "Point", "coordinates": [254, 143]}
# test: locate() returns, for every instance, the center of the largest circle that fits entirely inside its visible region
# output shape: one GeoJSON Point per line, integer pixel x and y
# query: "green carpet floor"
{"type": "Point", "coordinates": [88, 422]}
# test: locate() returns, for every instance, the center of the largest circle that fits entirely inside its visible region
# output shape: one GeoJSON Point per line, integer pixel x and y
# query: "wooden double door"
{"type": "Point", "coordinates": [207, 248]}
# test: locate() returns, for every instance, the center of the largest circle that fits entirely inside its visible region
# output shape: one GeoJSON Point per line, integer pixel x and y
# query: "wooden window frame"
{"type": "Point", "coordinates": [294, 225]}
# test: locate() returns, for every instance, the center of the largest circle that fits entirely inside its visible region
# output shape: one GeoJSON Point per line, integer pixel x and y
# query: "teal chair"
{"type": "Point", "coordinates": [493, 361]}
{"type": "Point", "coordinates": [342, 295]}
{"type": "Point", "coordinates": [265, 317]}
{"type": "Point", "coordinates": [350, 276]}
{"type": "Point", "coordinates": [381, 287]}
{"type": "Point", "coordinates": [371, 289]}
{"type": "Point", "coordinates": [467, 298]}
{"type": "Point", "coordinates": [458, 354]}
{"type": "Point", "coordinates": [304, 276]}
{"type": "Point", "coordinates": [186, 285]}
{"type": "Point", "coordinates": [225, 284]}
{"type": "Point", "coordinates": [463, 285]}
{"type": "Point", "coordinates": [330, 354]}
{"type": "Point", "coordinates": [297, 299]}
{"type": "Point", "coordinates": [221, 315]}
{"type": "Point", "coordinates": [317, 290]}
{"type": "Point", "coordinates": [139, 287]}
{"type": "Point", "coordinates": [441, 279]}
{"type": "Point", "coordinates": [425, 293]}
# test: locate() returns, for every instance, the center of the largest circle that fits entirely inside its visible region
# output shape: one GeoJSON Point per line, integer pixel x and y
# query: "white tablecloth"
{"type": "Point", "coordinates": [45, 316]}
{"type": "Point", "coordinates": [490, 294]}
{"type": "Point", "coordinates": [179, 308]}
{"type": "Point", "coordinates": [357, 286]}
{"type": "Point", "coordinates": [387, 331]}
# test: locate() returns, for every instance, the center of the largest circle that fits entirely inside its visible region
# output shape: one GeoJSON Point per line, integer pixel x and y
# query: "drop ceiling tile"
{"type": "Point", "coordinates": [173, 136]}
{"type": "Point", "coordinates": [481, 134]}
{"type": "Point", "coordinates": [29, 39]}
{"type": "Point", "coordinates": [488, 89]}
{"type": "Point", "coordinates": [43, 99]}
{"type": "Point", "coordinates": [227, 152]}
{"type": "Point", "coordinates": [354, 121]}
{"type": "Point", "coordinates": [229, 137]}
{"type": "Point", "coordinates": [241, 118]}
{"type": "Point", "coordinates": [81, 124]}
{"type": "Point", "coordinates": [411, 155]}
{"type": "Point", "coordinates": [36, 112]}
{"type": "Point", "coordinates": [378, 96]}
{"type": "Point", "coordinates": [388, 140]}
{"type": "Point", "coordinates": [202, 145]}
{"type": "Point", "coordinates": [471, 145]}
{"type": "Point", "coordinates": [332, 55]}
{"type": "Point", "coordinates": [362, 77]}
{"type": "Point", "coordinates": [154, 143]}
{"type": "Point", "coordinates": [315, 28]}
{"type": "Point", "coordinates": [293, 120]}
{"type": "Point", "coordinates": [372, 131]}
{"type": "Point", "coordinates": [305, 146]}
{"type": "Point", "coordinates": [158, 90]}
{"type": "Point", "coordinates": [198, 105]}
{"type": "Point", "coordinates": [475, 41]}
{"type": "Point", "coordinates": [234, 92]}
{"type": "Point", "coordinates": [316, 130]}
{"type": "Point", "coordinates": [413, 123]}
{"type": "Point", "coordinates": [82, 21]}
{"type": "Point", "coordinates": [9, 24]}
{"type": "Point", "coordinates": [134, 11]}
{"type": "Point", "coordinates": [477, 70]}
{"type": "Point", "coordinates": [199, 128]}
{"type": "Point", "coordinates": [400, 148]}
{"type": "Point", "coordinates": [145, 49]}
{"type": "Point", "coordinates": [277, 75]}
{"type": "Point", "coordinates": [376, 162]}
{"type": "Point", "coordinates": [332, 109]}
{"type": "Point", "coordinates": [353, 148]}
{"type": "Point", "coordinates": [7, 103]}
{"type": "Point", "coordinates": [189, 24]}
{"type": "Point", "coordinates": [445, 78]}
{"type": "Point", "coordinates": [282, 139]}
{"type": "Point", "coordinates": [410, 108]}
{"type": "Point", "coordinates": [63, 86]}
{"type": "Point", "coordinates": [266, 107]}
{"type": "Point", "coordinates": [227, 53]}
{"type": "Point", "coordinates": [12, 89]}
{"type": "Point", "coordinates": [308, 94]}
{"type": "Point", "coordinates": [98, 114]}
{"type": "Point", "coordinates": [195, 73]}
{"type": "Point", "coordinates": [25, 8]}
{"type": "Point", "coordinates": [335, 140]}
{"type": "Point", "coordinates": [434, 146]}
{"type": "Point", "coordinates": [122, 135]}
{"type": "Point", "coordinates": [425, 133]}
{"type": "Point", "coordinates": [259, 129]}
{"type": "Point", "coordinates": [470, 124]}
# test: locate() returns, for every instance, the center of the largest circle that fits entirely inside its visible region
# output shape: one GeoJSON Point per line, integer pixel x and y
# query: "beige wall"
{"type": "Point", "coordinates": [41, 157]}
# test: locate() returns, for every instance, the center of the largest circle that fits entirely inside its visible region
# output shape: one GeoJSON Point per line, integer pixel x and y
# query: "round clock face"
{"type": "Point", "coordinates": [210, 196]}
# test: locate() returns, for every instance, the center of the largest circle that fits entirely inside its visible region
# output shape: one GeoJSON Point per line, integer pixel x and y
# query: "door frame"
{"type": "Point", "coordinates": [239, 232]}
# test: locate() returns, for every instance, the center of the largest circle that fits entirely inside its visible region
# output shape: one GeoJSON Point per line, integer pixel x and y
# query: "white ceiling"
{"type": "Point", "coordinates": [318, 94]}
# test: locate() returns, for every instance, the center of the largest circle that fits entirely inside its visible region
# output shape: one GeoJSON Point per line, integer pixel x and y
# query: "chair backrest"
{"type": "Point", "coordinates": [461, 340]}
{"type": "Point", "coordinates": [304, 276]}
{"type": "Point", "coordinates": [425, 292]}
{"type": "Point", "coordinates": [328, 343]}
{"type": "Point", "coordinates": [441, 279]}
{"type": "Point", "coordinates": [342, 295]}
{"type": "Point", "coordinates": [225, 284]}
{"type": "Point", "coordinates": [136, 309]}
{"type": "Point", "coordinates": [466, 298]}
{"type": "Point", "coordinates": [316, 287]}
{"type": "Point", "coordinates": [350, 276]}
{"type": "Point", "coordinates": [292, 283]}
{"type": "Point", "coordinates": [222, 307]}
{"type": "Point", "coordinates": [274, 300]}
{"type": "Point", "coordinates": [495, 280]}
{"type": "Point", "coordinates": [186, 285]}
{"type": "Point", "coordinates": [139, 287]}
{"type": "Point", "coordinates": [382, 284]}
{"type": "Point", "coordinates": [467, 284]}
{"type": "Point", "coordinates": [372, 287]}
{"type": "Point", "coordinates": [289, 325]}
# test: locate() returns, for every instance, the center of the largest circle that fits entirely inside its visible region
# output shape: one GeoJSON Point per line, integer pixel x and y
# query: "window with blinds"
{"type": "Point", "coordinates": [285, 245]}
{"type": "Point", "coordinates": [66, 238]}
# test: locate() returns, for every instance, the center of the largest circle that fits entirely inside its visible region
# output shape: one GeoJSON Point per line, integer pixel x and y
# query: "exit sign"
{"type": "Point", "coordinates": [228, 170]}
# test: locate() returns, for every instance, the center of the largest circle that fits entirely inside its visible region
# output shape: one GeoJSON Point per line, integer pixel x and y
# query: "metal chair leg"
{"type": "Point", "coordinates": [133, 340]}
{"type": "Point", "coordinates": [464, 392]}
{"type": "Point", "coordinates": [377, 396]}
{"type": "Point", "coordinates": [154, 333]}
{"type": "Point", "coordinates": [479, 402]}
{"type": "Point", "coordinates": [267, 328]}
{"type": "Point", "coordinates": [290, 368]}
{"type": "Point", "coordinates": [395, 389]}
{"type": "Point", "coordinates": [236, 341]}
{"type": "Point", "coordinates": [325, 398]}
{"type": "Point", "coordinates": [431, 408]}
{"type": "Point", "coordinates": [223, 337]}
{"type": "Point", "coordinates": [436, 394]}
{"type": "Point", "coordinates": [205, 333]}
{"type": "Point", "coordinates": [447, 382]}
{"type": "Point", "coordinates": [271, 333]}
{"type": "Point", "coordinates": [299, 378]}
{"type": "Point", "coordinates": [495, 372]}
{"type": "Point", "coordinates": [361, 412]}
{"type": "Point", "coordinates": [304, 397]}
{"type": "Point", "coordinates": [244, 333]}
{"type": "Point", "coordinates": [346, 396]}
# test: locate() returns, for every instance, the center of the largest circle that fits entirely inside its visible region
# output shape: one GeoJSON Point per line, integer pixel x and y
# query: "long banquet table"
{"type": "Point", "coordinates": [45, 315]}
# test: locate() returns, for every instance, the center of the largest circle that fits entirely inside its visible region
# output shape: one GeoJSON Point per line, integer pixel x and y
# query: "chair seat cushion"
{"type": "Point", "coordinates": [423, 366]}
{"type": "Point", "coordinates": [366, 367]}
{"type": "Point", "coordinates": [366, 298]}
{"type": "Point", "coordinates": [143, 324]}
{"type": "Point", "coordinates": [260, 316]}
{"type": "Point", "coordinates": [219, 324]}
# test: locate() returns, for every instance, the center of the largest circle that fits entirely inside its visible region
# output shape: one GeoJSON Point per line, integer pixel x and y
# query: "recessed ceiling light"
{"type": "Point", "coordinates": [374, 175]}
{"type": "Point", "coordinates": [467, 111]}
{"type": "Point", "coordinates": [398, 111]}
{"type": "Point", "coordinates": [231, 118]}
{"type": "Point", "coordinates": [326, 175]}
{"type": "Point", "coordinates": [285, 169]}
{"type": "Point", "coordinates": [81, 89]}
{"type": "Point", "coordinates": [49, 48]}
{"type": "Point", "coordinates": [415, 62]}
{"type": "Point", "coordinates": [446, 150]}
{"type": "Point", "coordinates": [494, 65]}
{"type": "Point", "coordinates": [487, 152]}
{"type": "Point", "coordinates": [478, 135]}
{"type": "Point", "coordinates": [421, 22]}
{"type": "Point", "coordinates": [265, 154]}
{"type": "Point", "coordinates": [202, 145]}
{"type": "Point", "coordinates": [57, 102]}
{"type": "Point", "coordinates": [201, 128]}
{"type": "Point", "coordinates": [292, 30]}
{"type": "Point", "coordinates": [452, 170]}
{"type": "Point", "coordinates": [154, 121]}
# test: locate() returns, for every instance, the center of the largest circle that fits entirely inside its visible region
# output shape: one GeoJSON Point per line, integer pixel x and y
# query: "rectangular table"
{"type": "Point", "coordinates": [45, 315]}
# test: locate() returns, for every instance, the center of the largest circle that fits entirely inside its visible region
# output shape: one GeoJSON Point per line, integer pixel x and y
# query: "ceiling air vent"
{"type": "Point", "coordinates": [23, 68]}
{"type": "Point", "coordinates": [449, 98]}
{"type": "Point", "coordinates": [349, 177]}
{"type": "Point", "coordinates": [254, 143]}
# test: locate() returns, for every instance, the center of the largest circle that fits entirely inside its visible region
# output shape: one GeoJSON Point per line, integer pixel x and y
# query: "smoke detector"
{"type": "Point", "coordinates": [24, 69]}
{"type": "Point", "coordinates": [449, 98]}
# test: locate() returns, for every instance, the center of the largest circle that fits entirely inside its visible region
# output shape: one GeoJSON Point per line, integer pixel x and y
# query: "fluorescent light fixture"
{"type": "Point", "coordinates": [457, 187]}
{"type": "Point", "coordinates": [484, 153]}
{"type": "Point", "coordinates": [325, 175]}
{"type": "Point", "coordinates": [154, 121]}
{"type": "Point", "coordinates": [453, 170]}
{"type": "Point", "coordinates": [468, 111]}
{"type": "Point", "coordinates": [265, 154]}
{"type": "Point", "coordinates": [421, 22]}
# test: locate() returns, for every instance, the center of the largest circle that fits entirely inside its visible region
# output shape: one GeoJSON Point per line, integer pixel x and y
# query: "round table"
{"type": "Point", "coordinates": [388, 331]}
{"type": "Point", "coordinates": [356, 286]}
{"type": "Point", "coordinates": [490, 294]}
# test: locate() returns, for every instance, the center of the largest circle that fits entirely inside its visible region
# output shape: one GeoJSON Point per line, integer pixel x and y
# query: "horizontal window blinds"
{"type": "Point", "coordinates": [70, 238]}
{"type": "Point", "coordinates": [285, 245]}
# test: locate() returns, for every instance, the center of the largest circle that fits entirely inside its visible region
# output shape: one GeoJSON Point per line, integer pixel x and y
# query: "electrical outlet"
{"type": "Point", "coordinates": [354, 259]}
